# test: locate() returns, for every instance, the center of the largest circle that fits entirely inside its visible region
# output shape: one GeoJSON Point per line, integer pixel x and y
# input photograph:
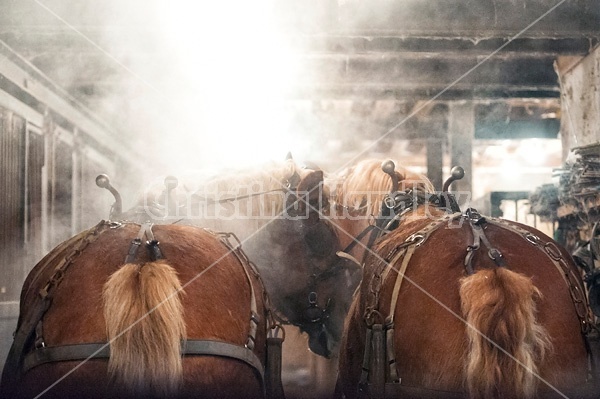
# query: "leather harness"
{"type": "Point", "coordinates": [379, 377]}
{"type": "Point", "coordinates": [18, 363]}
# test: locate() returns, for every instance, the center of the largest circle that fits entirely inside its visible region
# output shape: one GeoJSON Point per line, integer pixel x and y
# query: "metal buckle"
{"type": "Point", "coordinates": [417, 239]}
{"type": "Point", "coordinates": [389, 202]}
{"type": "Point", "coordinates": [532, 238]}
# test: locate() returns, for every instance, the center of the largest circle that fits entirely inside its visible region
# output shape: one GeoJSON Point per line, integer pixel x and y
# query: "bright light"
{"type": "Point", "coordinates": [231, 70]}
{"type": "Point", "coordinates": [533, 151]}
{"type": "Point", "coordinates": [511, 168]}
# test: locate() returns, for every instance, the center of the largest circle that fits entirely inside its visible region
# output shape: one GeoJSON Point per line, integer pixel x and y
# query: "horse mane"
{"type": "Point", "coordinates": [362, 187]}
{"type": "Point", "coordinates": [257, 193]}
{"type": "Point", "coordinates": [269, 179]}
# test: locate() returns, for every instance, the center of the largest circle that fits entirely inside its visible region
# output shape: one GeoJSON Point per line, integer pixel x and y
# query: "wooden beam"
{"type": "Point", "coordinates": [377, 43]}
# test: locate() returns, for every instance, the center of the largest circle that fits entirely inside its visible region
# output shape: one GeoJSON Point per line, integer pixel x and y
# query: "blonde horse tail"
{"type": "Point", "coordinates": [145, 326]}
{"type": "Point", "coordinates": [506, 343]}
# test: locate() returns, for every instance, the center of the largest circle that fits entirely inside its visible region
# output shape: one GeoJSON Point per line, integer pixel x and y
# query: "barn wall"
{"type": "Point", "coordinates": [51, 150]}
{"type": "Point", "coordinates": [12, 189]}
{"type": "Point", "coordinates": [580, 101]}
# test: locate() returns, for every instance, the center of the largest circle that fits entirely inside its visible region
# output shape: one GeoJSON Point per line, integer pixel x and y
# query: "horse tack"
{"type": "Point", "coordinates": [476, 221]}
{"type": "Point", "coordinates": [271, 384]}
{"type": "Point", "coordinates": [271, 376]}
{"type": "Point", "coordinates": [31, 322]}
{"type": "Point", "coordinates": [573, 281]}
{"type": "Point", "coordinates": [548, 248]}
{"type": "Point", "coordinates": [246, 263]}
{"type": "Point", "coordinates": [393, 207]}
{"type": "Point", "coordinates": [156, 254]}
{"type": "Point", "coordinates": [151, 244]}
{"type": "Point", "coordinates": [379, 349]}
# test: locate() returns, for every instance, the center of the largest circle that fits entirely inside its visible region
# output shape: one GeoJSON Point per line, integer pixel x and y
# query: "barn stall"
{"type": "Point", "coordinates": [504, 89]}
{"type": "Point", "coordinates": [53, 147]}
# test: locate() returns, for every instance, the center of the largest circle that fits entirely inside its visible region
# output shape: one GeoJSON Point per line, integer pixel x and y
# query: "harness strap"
{"type": "Point", "coordinates": [244, 262]}
{"type": "Point", "coordinates": [102, 351]}
{"type": "Point", "coordinates": [345, 255]}
{"type": "Point", "coordinates": [569, 275]}
{"type": "Point", "coordinates": [273, 383]}
{"type": "Point", "coordinates": [135, 245]}
{"type": "Point", "coordinates": [415, 240]}
{"type": "Point", "coordinates": [377, 375]}
{"type": "Point", "coordinates": [476, 221]}
{"type": "Point", "coordinates": [399, 278]}
{"type": "Point", "coordinates": [363, 382]}
{"type": "Point", "coordinates": [212, 201]}
{"type": "Point", "coordinates": [357, 239]}
{"type": "Point", "coordinates": [151, 244]}
{"type": "Point", "coordinates": [391, 354]}
{"type": "Point", "coordinates": [379, 345]}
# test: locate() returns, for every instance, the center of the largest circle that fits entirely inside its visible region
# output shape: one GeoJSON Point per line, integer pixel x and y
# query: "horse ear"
{"type": "Point", "coordinates": [289, 156]}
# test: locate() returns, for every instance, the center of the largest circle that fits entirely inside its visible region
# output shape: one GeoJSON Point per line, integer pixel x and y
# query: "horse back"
{"type": "Point", "coordinates": [430, 340]}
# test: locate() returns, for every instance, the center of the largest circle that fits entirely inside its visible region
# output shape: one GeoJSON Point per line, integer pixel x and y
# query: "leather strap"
{"type": "Point", "coordinates": [273, 383]}
{"type": "Point", "coordinates": [476, 221]}
{"type": "Point", "coordinates": [571, 278]}
{"type": "Point", "coordinates": [358, 238]}
{"type": "Point", "coordinates": [135, 245]}
{"type": "Point", "coordinates": [102, 351]}
{"type": "Point", "coordinates": [399, 278]}
{"type": "Point", "coordinates": [49, 354]}
{"type": "Point", "coordinates": [236, 250]}
{"type": "Point", "coordinates": [408, 392]}
{"type": "Point", "coordinates": [375, 354]}
{"type": "Point", "coordinates": [151, 244]}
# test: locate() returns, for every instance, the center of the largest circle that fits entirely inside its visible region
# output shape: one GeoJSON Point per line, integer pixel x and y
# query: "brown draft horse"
{"type": "Point", "coordinates": [215, 307]}
{"type": "Point", "coordinates": [274, 211]}
{"type": "Point", "coordinates": [81, 296]}
{"type": "Point", "coordinates": [454, 306]}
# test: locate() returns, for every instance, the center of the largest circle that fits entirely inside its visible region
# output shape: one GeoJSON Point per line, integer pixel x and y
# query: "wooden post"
{"type": "Point", "coordinates": [435, 161]}
{"type": "Point", "coordinates": [461, 131]}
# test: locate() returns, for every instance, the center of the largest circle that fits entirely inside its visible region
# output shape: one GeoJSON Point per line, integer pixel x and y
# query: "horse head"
{"type": "Point", "coordinates": [310, 284]}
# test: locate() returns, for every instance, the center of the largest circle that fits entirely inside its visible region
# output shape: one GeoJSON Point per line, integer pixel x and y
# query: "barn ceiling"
{"type": "Point", "coordinates": [360, 69]}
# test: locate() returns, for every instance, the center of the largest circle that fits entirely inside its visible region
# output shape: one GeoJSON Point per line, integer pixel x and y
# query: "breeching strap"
{"type": "Point", "coordinates": [271, 377]}
{"type": "Point", "coordinates": [102, 350]}
{"type": "Point", "coordinates": [571, 278]}
{"type": "Point", "coordinates": [379, 347]}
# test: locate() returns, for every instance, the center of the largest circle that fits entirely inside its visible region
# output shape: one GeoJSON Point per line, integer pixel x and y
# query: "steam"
{"type": "Point", "coordinates": [207, 84]}
{"type": "Point", "coordinates": [212, 85]}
